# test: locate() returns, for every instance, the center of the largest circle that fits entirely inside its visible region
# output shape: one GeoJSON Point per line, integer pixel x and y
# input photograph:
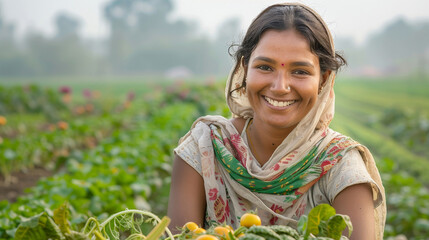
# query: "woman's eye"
{"type": "Point", "coordinates": [264, 68]}
{"type": "Point", "coordinates": [300, 72]}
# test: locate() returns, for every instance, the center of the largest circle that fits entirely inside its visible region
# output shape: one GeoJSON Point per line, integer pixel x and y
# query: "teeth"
{"type": "Point", "coordinates": [277, 103]}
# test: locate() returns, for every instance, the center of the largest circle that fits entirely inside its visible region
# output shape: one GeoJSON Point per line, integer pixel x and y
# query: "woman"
{"type": "Point", "coordinates": [277, 155]}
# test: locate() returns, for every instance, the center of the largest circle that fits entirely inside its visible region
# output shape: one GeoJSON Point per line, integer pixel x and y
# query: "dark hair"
{"type": "Point", "coordinates": [285, 17]}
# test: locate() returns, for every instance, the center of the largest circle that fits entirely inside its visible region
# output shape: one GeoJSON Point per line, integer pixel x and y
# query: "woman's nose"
{"type": "Point", "coordinates": [281, 84]}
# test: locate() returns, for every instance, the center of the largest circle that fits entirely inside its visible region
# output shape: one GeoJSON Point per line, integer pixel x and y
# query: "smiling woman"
{"type": "Point", "coordinates": [277, 154]}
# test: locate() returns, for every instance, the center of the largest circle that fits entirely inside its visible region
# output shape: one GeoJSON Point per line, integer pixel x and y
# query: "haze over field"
{"type": "Point", "coordinates": [114, 37]}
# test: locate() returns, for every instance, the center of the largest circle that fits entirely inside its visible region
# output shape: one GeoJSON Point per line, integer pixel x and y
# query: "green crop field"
{"type": "Point", "coordinates": [109, 141]}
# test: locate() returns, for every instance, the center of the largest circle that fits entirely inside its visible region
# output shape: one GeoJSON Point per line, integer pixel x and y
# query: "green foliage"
{"type": "Point", "coordinates": [29, 140]}
{"type": "Point", "coordinates": [407, 202]}
{"type": "Point", "coordinates": [372, 111]}
{"type": "Point", "coordinates": [128, 168]}
{"type": "Point", "coordinates": [42, 226]}
{"type": "Point", "coordinates": [30, 99]}
{"type": "Point", "coordinates": [61, 216]}
{"type": "Point", "coordinates": [387, 117]}
{"type": "Point", "coordinates": [264, 232]}
{"type": "Point", "coordinates": [129, 164]}
{"type": "Point", "coordinates": [286, 230]}
{"type": "Point", "coordinates": [322, 221]}
{"type": "Point", "coordinates": [409, 129]}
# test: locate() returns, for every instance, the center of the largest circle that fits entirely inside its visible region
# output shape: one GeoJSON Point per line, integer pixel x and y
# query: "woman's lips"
{"type": "Point", "coordinates": [277, 103]}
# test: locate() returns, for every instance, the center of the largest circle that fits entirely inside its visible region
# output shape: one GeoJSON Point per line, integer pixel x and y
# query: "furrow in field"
{"type": "Point", "coordinates": [383, 146]}
{"type": "Point", "coordinates": [384, 99]}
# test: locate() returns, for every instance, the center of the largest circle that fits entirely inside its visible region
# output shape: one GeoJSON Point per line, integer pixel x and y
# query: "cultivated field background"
{"type": "Point", "coordinates": [105, 145]}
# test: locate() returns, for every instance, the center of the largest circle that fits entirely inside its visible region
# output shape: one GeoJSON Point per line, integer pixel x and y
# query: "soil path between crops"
{"type": "Point", "coordinates": [19, 181]}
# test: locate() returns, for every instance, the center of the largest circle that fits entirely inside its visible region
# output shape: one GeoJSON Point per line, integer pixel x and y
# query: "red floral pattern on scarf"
{"type": "Point", "coordinates": [277, 209]}
{"type": "Point", "coordinates": [213, 194]}
{"type": "Point", "coordinates": [221, 208]}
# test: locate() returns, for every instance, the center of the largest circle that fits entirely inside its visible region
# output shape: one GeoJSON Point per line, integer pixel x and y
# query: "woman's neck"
{"type": "Point", "coordinates": [264, 139]}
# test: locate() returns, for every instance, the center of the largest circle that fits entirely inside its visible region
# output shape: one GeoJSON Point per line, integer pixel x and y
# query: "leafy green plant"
{"type": "Point", "coordinates": [42, 226]}
{"type": "Point", "coordinates": [129, 168]}
{"type": "Point", "coordinates": [30, 99]}
{"type": "Point", "coordinates": [130, 164]}
{"type": "Point", "coordinates": [322, 221]}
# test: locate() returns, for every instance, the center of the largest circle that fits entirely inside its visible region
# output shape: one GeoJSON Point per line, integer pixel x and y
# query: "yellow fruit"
{"type": "Point", "coordinates": [222, 231]}
{"type": "Point", "coordinates": [191, 226]}
{"type": "Point", "coordinates": [199, 230]}
{"type": "Point", "coordinates": [250, 219]}
{"type": "Point", "coordinates": [207, 237]}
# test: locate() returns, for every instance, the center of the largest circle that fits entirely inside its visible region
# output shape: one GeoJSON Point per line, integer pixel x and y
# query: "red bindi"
{"type": "Point", "coordinates": [283, 64]}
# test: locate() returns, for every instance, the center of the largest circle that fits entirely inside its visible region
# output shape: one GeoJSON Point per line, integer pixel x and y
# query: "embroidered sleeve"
{"type": "Point", "coordinates": [189, 152]}
{"type": "Point", "coordinates": [349, 171]}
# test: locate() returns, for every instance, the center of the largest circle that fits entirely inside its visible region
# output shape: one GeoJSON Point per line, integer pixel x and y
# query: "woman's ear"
{"type": "Point", "coordinates": [323, 80]}
{"type": "Point", "coordinates": [325, 77]}
{"type": "Point", "coordinates": [245, 67]}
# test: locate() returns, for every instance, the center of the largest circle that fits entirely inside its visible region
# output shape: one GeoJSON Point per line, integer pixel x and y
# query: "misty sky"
{"type": "Point", "coordinates": [346, 18]}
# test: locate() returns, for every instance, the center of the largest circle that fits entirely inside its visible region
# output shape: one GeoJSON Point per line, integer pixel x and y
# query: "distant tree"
{"type": "Point", "coordinates": [66, 26]}
{"type": "Point", "coordinates": [398, 46]}
{"type": "Point", "coordinates": [13, 61]}
{"type": "Point", "coordinates": [7, 30]}
{"type": "Point", "coordinates": [142, 38]}
{"type": "Point", "coordinates": [64, 54]}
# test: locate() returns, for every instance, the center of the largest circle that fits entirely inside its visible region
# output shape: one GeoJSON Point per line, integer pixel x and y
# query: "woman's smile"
{"type": "Point", "coordinates": [279, 104]}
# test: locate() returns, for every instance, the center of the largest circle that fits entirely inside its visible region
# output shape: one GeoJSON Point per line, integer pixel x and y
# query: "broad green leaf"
{"type": "Point", "coordinates": [39, 227]}
{"type": "Point", "coordinates": [61, 216]}
{"type": "Point", "coordinates": [323, 229]}
{"type": "Point", "coordinates": [319, 213]}
{"type": "Point", "coordinates": [337, 224]}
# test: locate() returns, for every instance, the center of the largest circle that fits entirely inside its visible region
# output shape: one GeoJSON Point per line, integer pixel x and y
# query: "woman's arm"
{"type": "Point", "coordinates": [356, 202]}
{"type": "Point", "coordinates": [187, 196]}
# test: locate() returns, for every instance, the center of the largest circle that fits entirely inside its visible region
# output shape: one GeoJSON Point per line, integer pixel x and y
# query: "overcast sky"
{"type": "Point", "coordinates": [345, 18]}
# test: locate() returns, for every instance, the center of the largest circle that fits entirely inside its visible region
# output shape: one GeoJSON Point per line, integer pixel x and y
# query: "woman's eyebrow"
{"type": "Point", "coordinates": [302, 64]}
{"type": "Point", "coordinates": [265, 59]}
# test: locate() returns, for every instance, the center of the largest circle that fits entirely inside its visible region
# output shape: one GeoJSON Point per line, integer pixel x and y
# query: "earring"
{"type": "Point", "coordinates": [288, 88]}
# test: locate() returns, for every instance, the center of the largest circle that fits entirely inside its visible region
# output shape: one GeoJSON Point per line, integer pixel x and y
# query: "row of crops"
{"type": "Point", "coordinates": [391, 117]}
{"type": "Point", "coordinates": [110, 155]}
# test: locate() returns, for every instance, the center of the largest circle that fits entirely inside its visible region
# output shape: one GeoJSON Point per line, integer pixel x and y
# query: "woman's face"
{"type": "Point", "coordinates": [282, 59]}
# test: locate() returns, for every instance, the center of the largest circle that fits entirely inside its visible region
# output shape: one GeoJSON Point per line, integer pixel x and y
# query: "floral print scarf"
{"type": "Point", "coordinates": [291, 181]}
{"type": "Point", "coordinates": [234, 183]}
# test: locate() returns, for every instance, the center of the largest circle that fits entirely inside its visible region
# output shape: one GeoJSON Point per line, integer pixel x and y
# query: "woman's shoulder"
{"type": "Point", "coordinates": [238, 123]}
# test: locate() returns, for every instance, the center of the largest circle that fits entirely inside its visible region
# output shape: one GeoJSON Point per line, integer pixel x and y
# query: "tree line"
{"type": "Point", "coordinates": [143, 40]}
